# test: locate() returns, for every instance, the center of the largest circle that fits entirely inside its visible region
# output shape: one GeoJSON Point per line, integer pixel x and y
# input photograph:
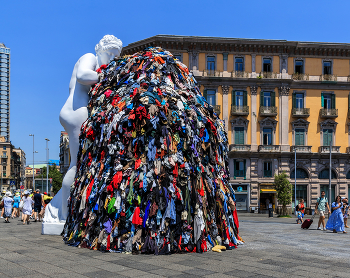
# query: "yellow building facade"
{"type": "Point", "coordinates": [277, 98]}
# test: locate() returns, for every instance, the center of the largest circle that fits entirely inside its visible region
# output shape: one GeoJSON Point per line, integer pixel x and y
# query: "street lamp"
{"type": "Point", "coordinates": [47, 169]}
{"type": "Point", "coordinates": [33, 161]}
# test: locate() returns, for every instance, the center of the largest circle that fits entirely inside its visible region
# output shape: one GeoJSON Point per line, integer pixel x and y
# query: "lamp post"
{"type": "Point", "coordinates": [330, 176]}
{"type": "Point", "coordinates": [295, 177]}
{"type": "Point", "coordinates": [33, 162]}
{"type": "Point", "coordinates": [47, 169]}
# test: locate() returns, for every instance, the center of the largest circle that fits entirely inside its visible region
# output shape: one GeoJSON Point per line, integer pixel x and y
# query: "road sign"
{"type": "Point", "coordinates": [22, 187]}
{"type": "Point", "coordinates": [12, 182]}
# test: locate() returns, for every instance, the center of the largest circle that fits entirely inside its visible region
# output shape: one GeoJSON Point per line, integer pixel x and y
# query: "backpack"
{"type": "Point", "coordinates": [297, 208]}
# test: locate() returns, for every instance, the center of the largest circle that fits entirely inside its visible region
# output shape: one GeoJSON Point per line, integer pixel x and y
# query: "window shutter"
{"type": "Point", "coordinates": [273, 99]}
{"type": "Point", "coordinates": [241, 136]}
{"type": "Point", "coordinates": [322, 100]}
{"type": "Point", "coordinates": [233, 97]}
{"type": "Point", "coordinates": [236, 136]}
{"type": "Point", "coordinates": [333, 101]}
{"type": "Point", "coordinates": [244, 169]}
{"type": "Point", "coordinates": [261, 98]}
{"type": "Point", "coordinates": [244, 98]}
{"type": "Point", "coordinates": [205, 94]}
{"type": "Point", "coordinates": [297, 138]}
{"type": "Point", "coordinates": [294, 100]}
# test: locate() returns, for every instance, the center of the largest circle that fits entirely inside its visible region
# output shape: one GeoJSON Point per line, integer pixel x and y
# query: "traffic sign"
{"type": "Point", "coordinates": [12, 182]}
{"type": "Point", "coordinates": [22, 187]}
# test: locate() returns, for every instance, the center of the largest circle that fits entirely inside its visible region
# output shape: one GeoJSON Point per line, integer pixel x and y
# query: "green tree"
{"type": "Point", "coordinates": [55, 175]}
{"type": "Point", "coordinates": [284, 191]}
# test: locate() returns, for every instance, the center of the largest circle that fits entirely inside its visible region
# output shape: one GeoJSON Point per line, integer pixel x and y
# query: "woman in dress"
{"type": "Point", "coordinates": [7, 206]}
{"type": "Point", "coordinates": [335, 222]}
{"type": "Point", "coordinates": [27, 207]}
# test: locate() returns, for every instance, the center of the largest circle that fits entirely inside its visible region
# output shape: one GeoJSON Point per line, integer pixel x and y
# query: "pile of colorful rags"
{"type": "Point", "coordinates": [152, 172]}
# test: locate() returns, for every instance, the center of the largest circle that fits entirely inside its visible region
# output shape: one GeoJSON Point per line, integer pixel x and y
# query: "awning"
{"type": "Point", "coordinates": [268, 191]}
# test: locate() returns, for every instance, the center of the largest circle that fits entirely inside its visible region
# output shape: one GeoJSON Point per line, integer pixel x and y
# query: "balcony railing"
{"type": "Point", "coordinates": [267, 173]}
{"type": "Point", "coordinates": [328, 77]}
{"type": "Point", "coordinates": [301, 112]}
{"type": "Point", "coordinates": [239, 148]}
{"type": "Point", "coordinates": [328, 113]}
{"type": "Point", "coordinates": [239, 110]}
{"type": "Point", "coordinates": [269, 75]}
{"type": "Point", "coordinates": [239, 74]}
{"type": "Point", "coordinates": [4, 156]}
{"type": "Point", "coordinates": [300, 76]}
{"type": "Point", "coordinates": [325, 149]}
{"type": "Point", "coordinates": [217, 109]}
{"type": "Point", "coordinates": [268, 111]}
{"type": "Point", "coordinates": [212, 73]}
{"type": "Point", "coordinates": [269, 148]}
{"type": "Point", "coordinates": [301, 149]}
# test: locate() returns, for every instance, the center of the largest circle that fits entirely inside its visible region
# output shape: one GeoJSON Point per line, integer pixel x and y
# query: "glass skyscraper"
{"type": "Point", "coordinates": [5, 92]}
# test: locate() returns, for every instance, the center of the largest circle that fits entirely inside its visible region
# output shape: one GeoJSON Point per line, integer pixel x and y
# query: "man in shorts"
{"type": "Point", "coordinates": [38, 202]}
{"type": "Point", "coordinates": [321, 205]}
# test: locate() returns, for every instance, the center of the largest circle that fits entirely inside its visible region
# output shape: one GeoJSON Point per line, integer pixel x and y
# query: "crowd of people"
{"type": "Point", "coordinates": [32, 205]}
{"type": "Point", "coordinates": [339, 212]}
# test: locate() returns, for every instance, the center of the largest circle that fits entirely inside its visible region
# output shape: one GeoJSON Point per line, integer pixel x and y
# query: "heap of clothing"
{"type": "Point", "coordinates": [152, 173]}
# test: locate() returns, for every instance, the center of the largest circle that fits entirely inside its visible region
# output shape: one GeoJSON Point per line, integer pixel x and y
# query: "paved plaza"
{"type": "Point", "coordinates": [274, 248]}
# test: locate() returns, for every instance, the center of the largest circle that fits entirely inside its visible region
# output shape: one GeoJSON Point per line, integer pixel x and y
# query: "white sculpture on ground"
{"type": "Point", "coordinates": [72, 116]}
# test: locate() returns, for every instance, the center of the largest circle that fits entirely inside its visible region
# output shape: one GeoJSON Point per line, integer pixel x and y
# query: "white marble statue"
{"type": "Point", "coordinates": [72, 116]}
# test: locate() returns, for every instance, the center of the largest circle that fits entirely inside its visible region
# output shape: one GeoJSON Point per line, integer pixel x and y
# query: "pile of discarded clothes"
{"type": "Point", "coordinates": [152, 172]}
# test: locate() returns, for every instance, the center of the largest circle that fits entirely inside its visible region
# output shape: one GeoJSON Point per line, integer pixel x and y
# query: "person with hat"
{"type": "Point", "coordinates": [7, 206]}
{"type": "Point", "coordinates": [2, 204]}
{"type": "Point", "coordinates": [27, 207]}
{"type": "Point", "coordinates": [16, 200]}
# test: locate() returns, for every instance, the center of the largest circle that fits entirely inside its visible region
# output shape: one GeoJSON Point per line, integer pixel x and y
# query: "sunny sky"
{"type": "Point", "coordinates": [48, 37]}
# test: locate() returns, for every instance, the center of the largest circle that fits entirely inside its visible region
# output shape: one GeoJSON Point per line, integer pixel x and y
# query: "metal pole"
{"type": "Point", "coordinates": [295, 177]}
{"type": "Point", "coordinates": [330, 175]}
{"type": "Point", "coordinates": [47, 169]}
{"type": "Point", "coordinates": [33, 162]}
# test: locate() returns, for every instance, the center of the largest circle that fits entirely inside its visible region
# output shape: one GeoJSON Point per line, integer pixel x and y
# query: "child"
{"type": "Point", "coordinates": [300, 217]}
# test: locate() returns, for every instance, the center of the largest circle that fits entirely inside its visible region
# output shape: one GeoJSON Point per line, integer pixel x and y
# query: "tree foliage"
{"type": "Point", "coordinates": [284, 191]}
{"type": "Point", "coordinates": [56, 177]}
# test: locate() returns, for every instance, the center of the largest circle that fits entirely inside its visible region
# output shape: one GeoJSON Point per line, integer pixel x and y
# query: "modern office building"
{"type": "Point", "coordinates": [5, 92]}
{"type": "Point", "coordinates": [276, 97]}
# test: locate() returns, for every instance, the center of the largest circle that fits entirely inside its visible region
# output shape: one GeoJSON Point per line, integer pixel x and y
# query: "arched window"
{"type": "Point", "coordinates": [324, 174]}
{"type": "Point", "coordinates": [348, 177]}
{"type": "Point", "coordinates": [301, 174]}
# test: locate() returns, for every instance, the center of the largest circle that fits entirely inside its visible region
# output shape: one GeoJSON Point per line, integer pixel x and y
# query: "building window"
{"type": "Point", "coordinates": [239, 98]}
{"type": "Point", "coordinates": [267, 65]}
{"type": "Point", "coordinates": [239, 169]}
{"type": "Point", "coordinates": [267, 136]}
{"type": "Point", "coordinates": [3, 154]}
{"type": "Point", "coordinates": [210, 96]}
{"type": "Point", "coordinates": [327, 136]}
{"type": "Point", "coordinates": [301, 174]}
{"type": "Point", "coordinates": [327, 67]}
{"type": "Point", "coordinates": [325, 188]}
{"type": "Point", "coordinates": [298, 100]}
{"type": "Point", "coordinates": [299, 136]}
{"type": "Point", "coordinates": [348, 177]}
{"type": "Point", "coordinates": [239, 64]}
{"type": "Point", "coordinates": [267, 169]}
{"type": "Point", "coordinates": [328, 101]}
{"type": "Point", "coordinates": [299, 66]}
{"type": "Point", "coordinates": [4, 168]}
{"type": "Point", "coordinates": [267, 99]}
{"type": "Point", "coordinates": [210, 63]}
{"type": "Point", "coordinates": [4, 148]}
{"type": "Point", "coordinates": [239, 135]}
{"type": "Point", "coordinates": [324, 174]}
{"type": "Point", "coordinates": [4, 174]}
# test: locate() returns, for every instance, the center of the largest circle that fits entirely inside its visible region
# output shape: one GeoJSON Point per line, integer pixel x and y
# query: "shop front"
{"type": "Point", "coordinates": [242, 196]}
{"type": "Point", "coordinates": [267, 198]}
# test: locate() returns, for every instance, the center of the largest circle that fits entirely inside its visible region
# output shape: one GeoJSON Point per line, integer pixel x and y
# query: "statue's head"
{"type": "Point", "coordinates": [108, 48]}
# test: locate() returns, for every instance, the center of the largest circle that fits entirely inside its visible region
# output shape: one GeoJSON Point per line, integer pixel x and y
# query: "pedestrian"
{"type": "Point", "coordinates": [27, 207]}
{"type": "Point", "coordinates": [16, 200]}
{"type": "Point", "coordinates": [300, 217]}
{"type": "Point", "coordinates": [335, 222]}
{"type": "Point", "coordinates": [7, 206]}
{"type": "Point", "coordinates": [321, 205]}
{"type": "Point", "coordinates": [345, 211]}
{"type": "Point", "coordinates": [2, 204]}
{"type": "Point", "coordinates": [38, 202]}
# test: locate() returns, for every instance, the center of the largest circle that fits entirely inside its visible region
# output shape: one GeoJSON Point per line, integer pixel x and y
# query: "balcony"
{"type": "Point", "coordinates": [328, 113]}
{"type": "Point", "coordinates": [269, 148]}
{"type": "Point", "coordinates": [301, 112]}
{"type": "Point", "coordinates": [217, 109]}
{"type": "Point", "coordinates": [212, 73]}
{"type": "Point", "coordinates": [328, 78]}
{"type": "Point", "coordinates": [325, 149]}
{"type": "Point", "coordinates": [300, 76]}
{"type": "Point", "coordinates": [239, 148]}
{"type": "Point", "coordinates": [239, 110]}
{"type": "Point", "coordinates": [268, 75]}
{"type": "Point", "coordinates": [239, 74]}
{"type": "Point", "coordinates": [267, 173]}
{"type": "Point", "coordinates": [4, 156]}
{"type": "Point", "coordinates": [268, 111]}
{"type": "Point", "coordinates": [301, 149]}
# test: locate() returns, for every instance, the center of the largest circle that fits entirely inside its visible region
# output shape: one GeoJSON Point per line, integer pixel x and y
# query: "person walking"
{"type": "Point", "coordinates": [321, 205]}
{"type": "Point", "coordinates": [38, 202]}
{"type": "Point", "coordinates": [345, 211]}
{"type": "Point", "coordinates": [16, 200]}
{"type": "Point", "coordinates": [7, 206]}
{"type": "Point", "coordinates": [300, 211]}
{"type": "Point", "coordinates": [27, 207]}
{"type": "Point", "coordinates": [335, 222]}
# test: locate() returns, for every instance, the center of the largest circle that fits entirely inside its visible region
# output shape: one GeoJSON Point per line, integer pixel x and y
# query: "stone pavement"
{"type": "Point", "coordinates": [274, 248]}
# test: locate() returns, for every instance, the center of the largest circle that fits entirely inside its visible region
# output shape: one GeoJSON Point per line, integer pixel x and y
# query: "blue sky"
{"type": "Point", "coordinates": [48, 37]}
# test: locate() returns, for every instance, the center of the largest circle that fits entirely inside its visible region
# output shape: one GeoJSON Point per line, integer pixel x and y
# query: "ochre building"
{"type": "Point", "coordinates": [276, 97]}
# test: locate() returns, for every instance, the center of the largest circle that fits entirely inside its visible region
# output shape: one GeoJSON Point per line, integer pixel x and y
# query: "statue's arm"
{"type": "Point", "coordinates": [86, 73]}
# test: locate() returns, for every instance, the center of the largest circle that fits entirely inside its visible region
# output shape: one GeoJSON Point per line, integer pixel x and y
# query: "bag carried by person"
{"type": "Point", "coordinates": [21, 204]}
{"type": "Point", "coordinates": [297, 208]}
